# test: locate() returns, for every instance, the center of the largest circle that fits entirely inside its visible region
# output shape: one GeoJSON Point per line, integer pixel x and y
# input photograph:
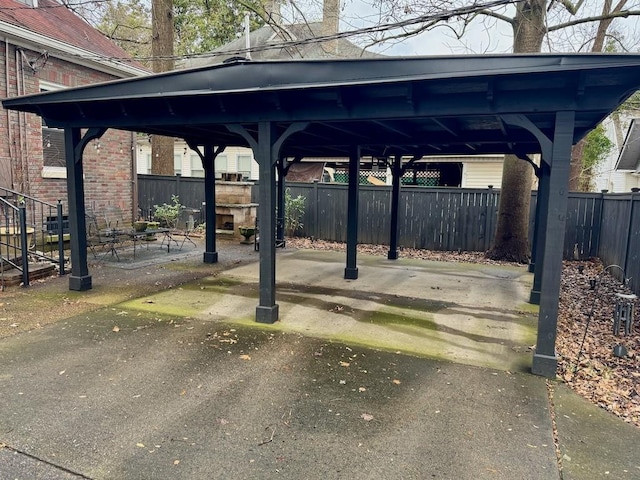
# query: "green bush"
{"type": "Point", "coordinates": [293, 211]}
{"type": "Point", "coordinates": [167, 214]}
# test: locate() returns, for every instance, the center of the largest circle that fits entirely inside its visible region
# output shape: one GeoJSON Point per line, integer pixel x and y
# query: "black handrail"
{"type": "Point", "coordinates": [39, 224]}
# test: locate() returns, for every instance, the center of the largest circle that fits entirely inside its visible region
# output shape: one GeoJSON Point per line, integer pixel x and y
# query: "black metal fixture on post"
{"type": "Point", "coordinates": [623, 320]}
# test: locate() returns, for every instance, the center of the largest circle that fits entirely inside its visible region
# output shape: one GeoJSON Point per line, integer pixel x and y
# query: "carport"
{"type": "Point", "coordinates": [397, 108]}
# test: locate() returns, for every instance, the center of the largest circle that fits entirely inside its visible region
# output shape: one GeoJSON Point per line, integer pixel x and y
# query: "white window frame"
{"type": "Point", "coordinates": [48, 171]}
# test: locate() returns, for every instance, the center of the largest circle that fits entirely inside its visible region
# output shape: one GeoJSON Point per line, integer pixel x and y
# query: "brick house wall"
{"type": "Point", "coordinates": [108, 172]}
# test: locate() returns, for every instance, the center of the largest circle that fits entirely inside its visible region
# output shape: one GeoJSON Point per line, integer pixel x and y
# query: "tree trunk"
{"type": "Point", "coordinates": [512, 231]}
{"type": "Point", "coordinates": [162, 148]}
{"type": "Point", "coordinates": [575, 172]}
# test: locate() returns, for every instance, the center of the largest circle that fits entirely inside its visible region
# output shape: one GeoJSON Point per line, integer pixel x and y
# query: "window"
{"type": "Point", "coordinates": [53, 151]}
{"type": "Point", "coordinates": [196, 166]}
{"type": "Point", "coordinates": [244, 165]}
{"type": "Point", "coordinates": [177, 164]}
{"type": "Point", "coordinates": [53, 146]}
{"type": "Point", "coordinates": [221, 163]}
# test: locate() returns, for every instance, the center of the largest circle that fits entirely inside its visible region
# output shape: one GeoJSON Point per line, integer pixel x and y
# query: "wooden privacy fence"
{"type": "Point", "coordinates": [436, 218]}
{"type": "Point", "coordinates": [158, 189]}
{"type": "Point", "coordinates": [597, 225]}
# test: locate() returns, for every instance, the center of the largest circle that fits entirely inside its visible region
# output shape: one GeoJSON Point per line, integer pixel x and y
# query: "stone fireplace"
{"type": "Point", "coordinates": [234, 208]}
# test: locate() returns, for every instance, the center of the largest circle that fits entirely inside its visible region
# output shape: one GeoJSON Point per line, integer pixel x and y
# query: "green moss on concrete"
{"type": "Point", "coordinates": [388, 317]}
{"type": "Point", "coordinates": [529, 308]}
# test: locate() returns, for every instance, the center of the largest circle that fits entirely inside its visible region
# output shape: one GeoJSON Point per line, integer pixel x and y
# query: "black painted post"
{"type": "Point", "coordinates": [60, 238]}
{"type": "Point", "coordinates": [79, 279]}
{"type": "Point", "coordinates": [267, 309]}
{"type": "Point", "coordinates": [281, 203]}
{"type": "Point", "coordinates": [396, 173]}
{"type": "Point", "coordinates": [542, 205]}
{"type": "Point", "coordinates": [24, 244]}
{"type": "Point", "coordinates": [545, 360]}
{"type": "Point", "coordinates": [316, 228]}
{"type": "Point", "coordinates": [208, 164]}
{"type": "Point", "coordinates": [351, 271]}
{"type": "Point", "coordinates": [536, 231]}
{"type": "Point", "coordinates": [630, 232]}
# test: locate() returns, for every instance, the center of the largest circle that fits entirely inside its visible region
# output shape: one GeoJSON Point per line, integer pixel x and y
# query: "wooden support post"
{"type": "Point", "coordinates": [396, 172]}
{"type": "Point", "coordinates": [544, 358]}
{"type": "Point", "coordinates": [267, 309]}
{"type": "Point", "coordinates": [79, 279]}
{"type": "Point", "coordinates": [281, 202]}
{"type": "Point", "coordinates": [351, 270]}
{"type": "Point", "coordinates": [208, 163]}
{"type": "Point", "coordinates": [542, 206]}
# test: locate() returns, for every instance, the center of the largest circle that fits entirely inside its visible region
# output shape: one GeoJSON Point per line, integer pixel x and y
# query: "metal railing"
{"type": "Point", "coordinates": [31, 230]}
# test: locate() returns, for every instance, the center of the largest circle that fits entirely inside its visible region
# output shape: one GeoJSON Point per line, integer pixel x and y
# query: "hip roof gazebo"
{"type": "Point", "coordinates": [392, 107]}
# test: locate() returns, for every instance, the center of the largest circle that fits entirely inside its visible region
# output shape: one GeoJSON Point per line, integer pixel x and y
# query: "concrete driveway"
{"type": "Point", "coordinates": [357, 380]}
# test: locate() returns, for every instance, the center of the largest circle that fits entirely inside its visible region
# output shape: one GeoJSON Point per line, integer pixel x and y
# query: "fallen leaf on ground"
{"type": "Point", "coordinates": [115, 329]}
{"type": "Point", "coordinates": [367, 417]}
{"type": "Point", "coordinates": [396, 381]}
{"type": "Point", "coordinates": [245, 357]}
{"type": "Point", "coordinates": [140, 445]}
{"type": "Point", "coordinates": [344, 364]}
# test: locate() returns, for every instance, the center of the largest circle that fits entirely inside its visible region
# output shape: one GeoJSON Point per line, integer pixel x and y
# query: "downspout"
{"type": "Point", "coordinates": [7, 94]}
{"type": "Point", "coordinates": [22, 129]}
{"type": "Point", "coordinates": [25, 150]}
{"type": "Point", "coordinates": [20, 137]}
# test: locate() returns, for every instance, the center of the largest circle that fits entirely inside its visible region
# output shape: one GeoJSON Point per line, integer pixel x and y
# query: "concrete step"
{"type": "Point", "coordinates": [12, 276]}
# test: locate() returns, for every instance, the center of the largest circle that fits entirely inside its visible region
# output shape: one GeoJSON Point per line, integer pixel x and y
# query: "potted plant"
{"type": "Point", "coordinates": [247, 232]}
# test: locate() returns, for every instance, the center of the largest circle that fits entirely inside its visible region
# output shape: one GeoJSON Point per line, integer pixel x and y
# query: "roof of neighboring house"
{"type": "Point", "coordinates": [266, 44]}
{"type": "Point", "coordinates": [629, 158]}
{"type": "Point", "coordinates": [55, 21]}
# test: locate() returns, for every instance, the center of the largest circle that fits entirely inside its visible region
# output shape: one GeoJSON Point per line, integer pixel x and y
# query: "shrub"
{"type": "Point", "coordinates": [167, 214]}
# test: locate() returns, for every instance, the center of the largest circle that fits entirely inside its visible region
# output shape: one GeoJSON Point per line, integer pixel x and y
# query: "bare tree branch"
{"type": "Point", "coordinates": [597, 18]}
{"type": "Point", "coordinates": [568, 5]}
{"type": "Point", "coordinates": [504, 18]}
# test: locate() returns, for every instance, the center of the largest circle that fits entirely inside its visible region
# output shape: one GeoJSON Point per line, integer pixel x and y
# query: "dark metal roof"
{"type": "Point", "coordinates": [629, 158]}
{"type": "Point", "coordinates": [413, 106]}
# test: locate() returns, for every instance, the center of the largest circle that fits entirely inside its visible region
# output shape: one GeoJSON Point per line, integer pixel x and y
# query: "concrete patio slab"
{"type": "Point", "coordinates": [473, 314]}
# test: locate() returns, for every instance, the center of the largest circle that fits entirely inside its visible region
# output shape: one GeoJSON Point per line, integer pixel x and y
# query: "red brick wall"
{"type": "Point", "coordinates": [107, 173]}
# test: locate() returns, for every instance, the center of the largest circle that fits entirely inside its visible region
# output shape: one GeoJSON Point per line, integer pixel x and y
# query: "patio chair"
{"type": "Point", "coordinates": [101, 236]}
{"type": "Point", "coordinates": [186, 218]}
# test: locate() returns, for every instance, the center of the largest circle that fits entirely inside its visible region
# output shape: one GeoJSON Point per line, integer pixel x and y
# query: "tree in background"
{"type": "Point", "coordinates": [128, 24]}
{"type": "Point", "coordinates": [595, 148]}
{"type": "Point", "coordinates": [536, 25]}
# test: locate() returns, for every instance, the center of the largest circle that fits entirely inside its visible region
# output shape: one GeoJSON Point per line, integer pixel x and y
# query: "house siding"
{"type": "Point", "coordinates": [481, 175]}
{"type": "Point", "coordinates": [107, 172]}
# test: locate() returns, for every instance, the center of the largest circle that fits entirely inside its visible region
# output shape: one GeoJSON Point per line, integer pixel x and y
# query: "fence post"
{"type": "Point", "coordinates": [598, 226]}
{"type": "Point", "coordinates": [24, 246]}
{"type": "Point", "coordinates": [488, 219]}
{"type": "Point", "coordinates": [315, 208]}
{"type": "Point", "coordinates": [629, 233]}
{"type": "Point", "coordinates": [60, 238]}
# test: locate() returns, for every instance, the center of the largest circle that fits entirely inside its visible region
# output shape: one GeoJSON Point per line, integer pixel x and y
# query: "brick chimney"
{"type": "Point", "coordinates": [272, 8]}
{"type": "Point", "coordinates": [330, 24]}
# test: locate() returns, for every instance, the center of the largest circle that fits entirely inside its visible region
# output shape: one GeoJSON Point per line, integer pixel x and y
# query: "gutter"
{"type": "Point", "coordinates": [35, 41]}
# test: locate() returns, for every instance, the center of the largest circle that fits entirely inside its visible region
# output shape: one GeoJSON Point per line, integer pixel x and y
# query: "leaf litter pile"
{"type": "Point", "coordinates": [586, 312]}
